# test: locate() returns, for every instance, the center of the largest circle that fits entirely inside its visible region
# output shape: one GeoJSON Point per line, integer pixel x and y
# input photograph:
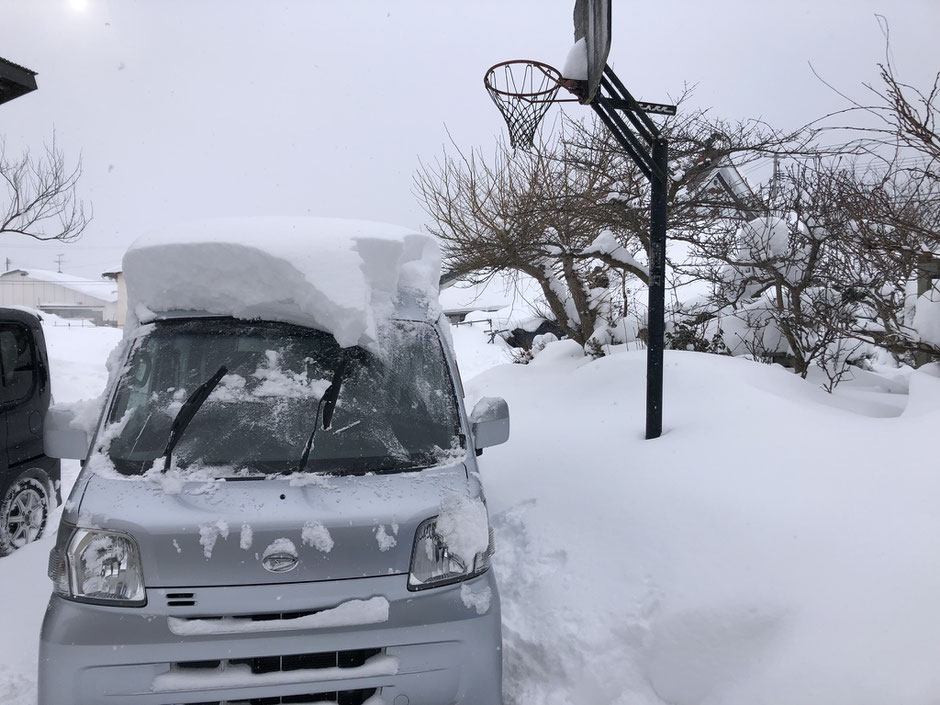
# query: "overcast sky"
{"type": "Point", "coordinates": [184, 109]}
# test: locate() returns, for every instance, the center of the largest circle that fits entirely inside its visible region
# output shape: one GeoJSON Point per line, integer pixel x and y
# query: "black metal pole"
{"type": "Point", "coordinates": [655, 166]}
{"type": "Point", "coordinates": [656, 313]}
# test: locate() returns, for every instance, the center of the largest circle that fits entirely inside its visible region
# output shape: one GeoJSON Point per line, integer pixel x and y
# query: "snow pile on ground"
{"type": "Point", "coordinates": [478, 350]}
{"type": "Point", "coordinates": [342, 276]}
{"type": "Point", "coordinates": [775, 545]}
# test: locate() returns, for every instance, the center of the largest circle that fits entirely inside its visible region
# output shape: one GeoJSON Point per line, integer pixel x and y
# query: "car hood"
{"type": "Point", "coordinates": [216, 533]}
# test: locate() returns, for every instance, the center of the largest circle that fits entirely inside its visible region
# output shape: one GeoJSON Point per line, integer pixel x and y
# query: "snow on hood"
{"type": "Point", "coordinates": [341, 276]}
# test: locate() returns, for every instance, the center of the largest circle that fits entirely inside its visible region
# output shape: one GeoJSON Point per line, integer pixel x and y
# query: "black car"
{"type": "Point", "coordinates": [29, 481]}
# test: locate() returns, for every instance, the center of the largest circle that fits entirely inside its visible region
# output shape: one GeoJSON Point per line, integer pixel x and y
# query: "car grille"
{"type": "Point", "coordinates": [261, 617]}
{"type": "Point", "coordinates": [342, 697]}
{"type": "Point", "coordinates": [180, 599]}
{"type": "Point", "coordinates": [291, 662]}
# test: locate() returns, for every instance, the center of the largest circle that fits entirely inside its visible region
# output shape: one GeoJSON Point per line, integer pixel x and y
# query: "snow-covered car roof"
{"type": "Point", "coordinates": [341, 276]}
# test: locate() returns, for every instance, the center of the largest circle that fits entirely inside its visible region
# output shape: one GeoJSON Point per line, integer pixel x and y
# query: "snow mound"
{"type": "Point", "coordinates": [341, 276]}
{"type": "Point", "coordinates": [768, 548]}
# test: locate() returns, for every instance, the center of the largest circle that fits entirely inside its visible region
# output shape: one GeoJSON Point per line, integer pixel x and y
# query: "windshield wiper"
{"type": "Point", "coordinates": [188, 411]}
{"type": "Point", "coordinates": [328, 405]}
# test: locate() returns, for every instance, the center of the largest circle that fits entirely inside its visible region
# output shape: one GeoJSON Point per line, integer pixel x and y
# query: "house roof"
{"type": "Point", "coordinates": [15, 80]}
{"type": "Point", "coordinates": [99, 289]}
{"type": "Point", "coordinates": [724, 175]}
{"type": "Point", "coordinates": [514, 299]}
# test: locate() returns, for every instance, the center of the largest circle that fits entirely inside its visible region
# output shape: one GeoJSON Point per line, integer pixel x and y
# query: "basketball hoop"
{"type": "Point", "coordinates": [523, 90]}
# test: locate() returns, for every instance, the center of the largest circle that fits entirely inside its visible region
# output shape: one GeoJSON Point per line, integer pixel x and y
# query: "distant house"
{"type": "Point", "coordinates": [458, 298]}
{"type": "Point", "coordinates": [15, 80]}
{"type": "Point", "coordinates": [719, 179]}
{"type": "Point", "coordinates": [61, 294]}
{"type": "Point", "coordinates": [510, 304]}
{"type": "Point", "coordinates": [118, 277]}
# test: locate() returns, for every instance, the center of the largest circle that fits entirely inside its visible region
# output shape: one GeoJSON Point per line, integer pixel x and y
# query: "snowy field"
{"type": "Point", "coordinates": [776, 545]}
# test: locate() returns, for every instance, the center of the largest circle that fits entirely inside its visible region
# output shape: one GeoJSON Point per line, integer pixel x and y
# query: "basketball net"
{"type": "Point", "coordinates": [523, 90]}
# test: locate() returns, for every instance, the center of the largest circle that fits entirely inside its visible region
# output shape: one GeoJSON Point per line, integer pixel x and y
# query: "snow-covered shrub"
{"type": "Point", "coordinates": [695, 337]}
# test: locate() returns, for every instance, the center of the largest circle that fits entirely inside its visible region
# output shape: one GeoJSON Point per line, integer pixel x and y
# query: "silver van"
{"type": "Point", "coordinates": [264, 516]}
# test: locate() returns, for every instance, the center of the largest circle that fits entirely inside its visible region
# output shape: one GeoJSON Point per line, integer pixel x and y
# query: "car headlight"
{"type": "Point", "coordinates": [433, 564]}
{"type": "Point", "coordinates": [99, 566]}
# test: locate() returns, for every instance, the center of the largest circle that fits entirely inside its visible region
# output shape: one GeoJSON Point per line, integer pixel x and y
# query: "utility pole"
{"type": "Point", "coordinates": [58, 261]}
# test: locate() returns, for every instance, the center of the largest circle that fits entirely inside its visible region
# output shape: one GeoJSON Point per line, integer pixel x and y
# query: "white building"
{"type": "Point", "coordinates": [61, 294]}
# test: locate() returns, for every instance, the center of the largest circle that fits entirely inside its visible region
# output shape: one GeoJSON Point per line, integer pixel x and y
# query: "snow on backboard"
{"type": "Point", "coordinates": [592, 23]}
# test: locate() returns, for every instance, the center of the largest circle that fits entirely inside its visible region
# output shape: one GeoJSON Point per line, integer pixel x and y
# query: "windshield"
{"type": "Point", "coordinates": [396, 410]}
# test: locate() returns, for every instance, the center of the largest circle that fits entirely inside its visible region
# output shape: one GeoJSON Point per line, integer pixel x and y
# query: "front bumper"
{"type": "Point", "coordinates": [434, 649]}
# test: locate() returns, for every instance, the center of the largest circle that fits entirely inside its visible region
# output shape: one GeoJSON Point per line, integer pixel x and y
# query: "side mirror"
{"type": "Point", "coordinates": [61, 437]}
{"type": "Point", "coordinates": [489, 422]}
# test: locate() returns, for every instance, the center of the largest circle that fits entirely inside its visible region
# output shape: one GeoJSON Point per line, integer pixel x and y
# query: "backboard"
{"type": "Point", "coordinates": [592, 23]}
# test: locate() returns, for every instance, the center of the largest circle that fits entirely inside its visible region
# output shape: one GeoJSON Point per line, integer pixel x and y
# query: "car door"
{"type": "Point", "coordinates": [21, 397]}
{"type": "Point", "coordinates": [4, 459]}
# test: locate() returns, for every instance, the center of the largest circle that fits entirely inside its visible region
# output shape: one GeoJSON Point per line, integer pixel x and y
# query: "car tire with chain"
{"type": "Point", "coordinates": [24, 510]}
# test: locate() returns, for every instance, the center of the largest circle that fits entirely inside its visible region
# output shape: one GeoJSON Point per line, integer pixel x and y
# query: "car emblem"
{"type": "Point", "coordinates": [280, 562]}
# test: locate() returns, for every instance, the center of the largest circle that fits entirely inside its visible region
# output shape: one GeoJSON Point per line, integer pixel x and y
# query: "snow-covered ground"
{"type": "Point", "coordinates": [775, 545]}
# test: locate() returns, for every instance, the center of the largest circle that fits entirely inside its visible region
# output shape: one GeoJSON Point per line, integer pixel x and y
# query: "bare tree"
{"type": "Point", "coordinates": [40, 200]}
{"type": "Point", "coordinates": [531, 213]}
{"type": "Point", "coordinates": [893, 197]}
{"type": "Point", "coordinates": [574, 213]}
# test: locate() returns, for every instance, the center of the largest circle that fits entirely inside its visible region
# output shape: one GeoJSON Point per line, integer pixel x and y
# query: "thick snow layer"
{"type": "Point", "coordinates": [342, 276]}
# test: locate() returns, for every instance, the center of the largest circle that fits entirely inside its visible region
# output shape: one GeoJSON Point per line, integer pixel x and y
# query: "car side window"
{"type": "Point", "coordinates": [17, 363]}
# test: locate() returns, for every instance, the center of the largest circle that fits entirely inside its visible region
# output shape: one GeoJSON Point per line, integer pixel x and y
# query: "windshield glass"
{"type": "Point", "coordinates": [396, 410]}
